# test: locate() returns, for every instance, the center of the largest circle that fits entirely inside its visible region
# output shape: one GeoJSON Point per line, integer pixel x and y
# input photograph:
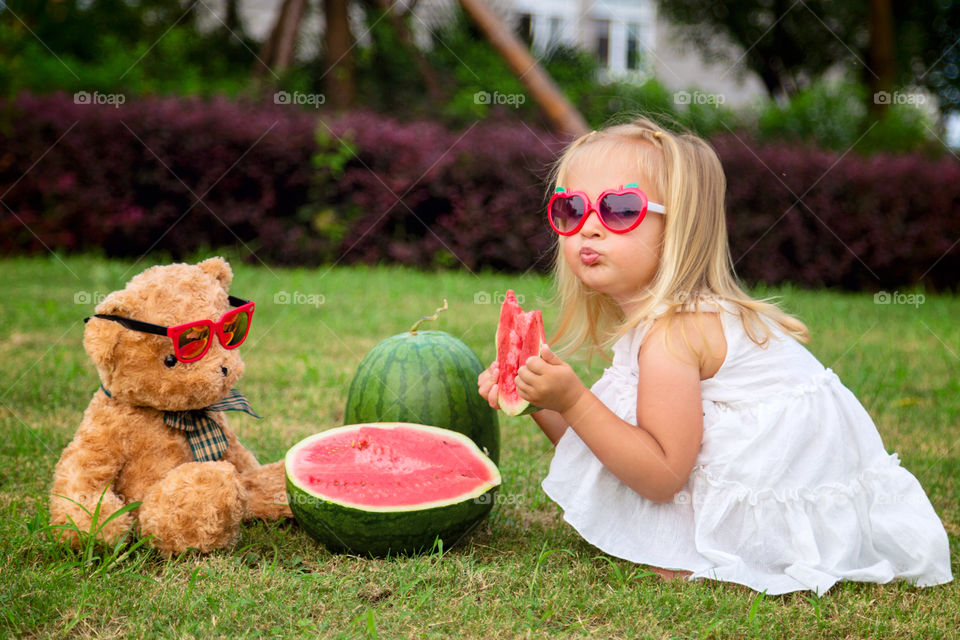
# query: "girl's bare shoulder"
{"type": "Point", "coordinates": [692, 337]}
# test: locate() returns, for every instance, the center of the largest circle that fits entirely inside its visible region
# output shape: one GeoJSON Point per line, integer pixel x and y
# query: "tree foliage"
{"type": "Point", "coordinates": [789, 43]}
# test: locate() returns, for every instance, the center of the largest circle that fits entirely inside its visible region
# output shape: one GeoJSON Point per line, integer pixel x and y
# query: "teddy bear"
{"type": "Point", "coordinates": [165, 349]}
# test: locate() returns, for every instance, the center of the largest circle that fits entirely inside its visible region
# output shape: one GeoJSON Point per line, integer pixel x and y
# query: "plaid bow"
{"type": "Point", "coordinates": [206, 438]}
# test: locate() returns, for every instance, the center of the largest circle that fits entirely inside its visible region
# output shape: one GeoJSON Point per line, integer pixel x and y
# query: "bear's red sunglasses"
{"type": "Point", "coordinates": [192, 340]}
{"type": "Point", "coordinates": [620, 210]}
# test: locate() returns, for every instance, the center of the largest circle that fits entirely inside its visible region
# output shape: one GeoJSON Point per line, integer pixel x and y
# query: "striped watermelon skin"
{"type": "Point", "coordinates": [385, 531]}
{"type": "Point", "coordinates": [426, 377]}
{"type": "Point", "coordinates": [345, 530]}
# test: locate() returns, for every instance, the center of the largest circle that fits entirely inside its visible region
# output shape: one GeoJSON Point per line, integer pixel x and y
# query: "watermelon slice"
{"type": "Point", "coordinates": [389, 487]}
{"type": "Point", "coordinates": [519, 336]}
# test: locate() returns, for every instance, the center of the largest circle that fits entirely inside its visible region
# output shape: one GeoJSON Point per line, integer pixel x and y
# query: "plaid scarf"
{"type": "Point", "coordinates": [206, 438]}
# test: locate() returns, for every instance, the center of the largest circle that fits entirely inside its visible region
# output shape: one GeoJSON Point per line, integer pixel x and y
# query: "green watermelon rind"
{"type": "Point", "coordinates": [527, 411]}
{"type": "Point", "coordinates": [378, 531]}
{"type": "Point", "coordinates": [427, 377]}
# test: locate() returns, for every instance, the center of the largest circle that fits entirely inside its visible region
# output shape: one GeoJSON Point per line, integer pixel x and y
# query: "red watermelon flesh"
{"type": "Point", "coordinates": [391, 466]}
{"type": "Point", "coordinates": [519, 336]}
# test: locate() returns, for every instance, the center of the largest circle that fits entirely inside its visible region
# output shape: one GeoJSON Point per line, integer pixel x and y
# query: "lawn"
{"type": "Point", "coordinates": [523, 572]}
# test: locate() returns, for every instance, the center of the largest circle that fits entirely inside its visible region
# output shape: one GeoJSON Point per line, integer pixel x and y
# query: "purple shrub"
{"type": "Point", "coordinates": [861, 222]}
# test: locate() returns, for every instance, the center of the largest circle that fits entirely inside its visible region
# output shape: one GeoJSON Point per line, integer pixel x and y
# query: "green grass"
{"type": "Point", "coordinates": [522, 573]}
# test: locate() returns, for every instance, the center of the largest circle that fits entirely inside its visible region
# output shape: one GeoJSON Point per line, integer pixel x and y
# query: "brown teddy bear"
{"type": "Point", "coordinates": [155, 432]}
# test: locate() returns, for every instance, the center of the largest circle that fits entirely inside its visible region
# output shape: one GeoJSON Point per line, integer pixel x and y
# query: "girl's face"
{"type": "Point", "coordinates": [618, 264]}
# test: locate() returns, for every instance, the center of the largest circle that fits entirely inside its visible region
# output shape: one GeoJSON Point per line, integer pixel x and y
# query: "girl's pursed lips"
{"type": "Point", "coordinates": [588, 255]}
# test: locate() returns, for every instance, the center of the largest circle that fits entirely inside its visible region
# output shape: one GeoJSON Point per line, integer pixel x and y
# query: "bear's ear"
{"type": "Point", "coordinates": [115, 304]}
{"type": "Point", "coordinates": [219, 269]}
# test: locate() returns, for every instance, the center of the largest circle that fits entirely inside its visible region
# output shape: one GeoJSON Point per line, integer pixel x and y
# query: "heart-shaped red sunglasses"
{"type": "Point", "coordinates": [620, 210]}
{"type": "Point", "coordinates": [192, 340]}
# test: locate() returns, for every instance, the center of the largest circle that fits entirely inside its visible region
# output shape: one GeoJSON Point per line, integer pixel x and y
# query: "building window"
{"type": "Point", "coordinates": [601, 30]}
{"type": "Point", "coordinates": [633, 46]}
{"type": "Point", "coordinates": [525, 28]}
{"type": "Point", "coordinates": [556, 26]}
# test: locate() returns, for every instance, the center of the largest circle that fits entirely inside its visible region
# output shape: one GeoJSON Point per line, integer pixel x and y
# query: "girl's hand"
{"type": "Point", "coordinates": [487, 384]}
{"type": "Point", "coordinates": [548, 382]}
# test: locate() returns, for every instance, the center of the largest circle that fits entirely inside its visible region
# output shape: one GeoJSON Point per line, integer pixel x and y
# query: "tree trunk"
{"type": "Point", "coordinates": [772, 69]}
{"type": "Point", "coordinates": [771, 80]}
{"type": "Point", "coordinates": [277, 51]}
{"type": "Point", "coordinates": [192, 12]}
{"type": "Point", "coordinates": [341, 90]}
{"type": "Point", "coordinates": [232, 19]}
{"type": "Point", "coordinates": [423, 66]}
{"type": "Point", "coordinates": [881, 70]}
{"type": "Point", "coordinates": [562, 115]}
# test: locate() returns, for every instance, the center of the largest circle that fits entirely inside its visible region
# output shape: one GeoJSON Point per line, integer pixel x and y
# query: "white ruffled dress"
{"type": "Point", "coordinates": [792, 489]}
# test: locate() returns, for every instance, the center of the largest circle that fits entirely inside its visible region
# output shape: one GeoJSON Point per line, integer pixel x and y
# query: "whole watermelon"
{"type": "Point", "coordinates": [424, 377]}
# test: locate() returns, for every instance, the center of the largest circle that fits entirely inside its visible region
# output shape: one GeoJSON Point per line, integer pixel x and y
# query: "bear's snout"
{"type": "Point", "coordinates": [224, 371]}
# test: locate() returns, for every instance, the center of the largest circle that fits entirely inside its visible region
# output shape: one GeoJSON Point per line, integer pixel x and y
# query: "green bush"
{"type": "Point", "coordinates": [183, 61]}
{"type": "Point", "coordinates": [577, 72]}
{"type": "Point", "coordinates": [473, 70]}
{"type": "Point", "coordinates": [834, 115]}
{"type": "Point", "coordinates": [387, 73]}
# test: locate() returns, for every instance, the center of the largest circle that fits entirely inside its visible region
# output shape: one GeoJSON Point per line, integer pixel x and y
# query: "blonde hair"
{"type": "Point", "coordinates": [695, 259]}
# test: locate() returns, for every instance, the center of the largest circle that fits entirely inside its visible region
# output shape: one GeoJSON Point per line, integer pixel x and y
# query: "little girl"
{"type": "Point", "coordinates": [715, 446]}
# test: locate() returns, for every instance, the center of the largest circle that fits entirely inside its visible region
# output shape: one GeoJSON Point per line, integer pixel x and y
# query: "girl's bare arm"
{"type": "Point", "coordinates": [551, 423]}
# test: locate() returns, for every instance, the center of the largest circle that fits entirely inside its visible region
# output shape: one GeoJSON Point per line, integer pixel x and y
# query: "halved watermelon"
{"type": "Point", "coordinates": [389, 487]}
{"type": "Point", "coordinates": [519, 336]}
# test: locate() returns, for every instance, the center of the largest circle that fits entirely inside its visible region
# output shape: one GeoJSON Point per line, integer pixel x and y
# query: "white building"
{"type": "Point", "coordinates": [616, 31]}
{"type": "Point", "coordinates": [631, 41]}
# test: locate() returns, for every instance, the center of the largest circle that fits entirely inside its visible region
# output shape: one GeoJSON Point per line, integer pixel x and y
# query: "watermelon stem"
{"type": "Point", "coordinates": [416, 324]}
